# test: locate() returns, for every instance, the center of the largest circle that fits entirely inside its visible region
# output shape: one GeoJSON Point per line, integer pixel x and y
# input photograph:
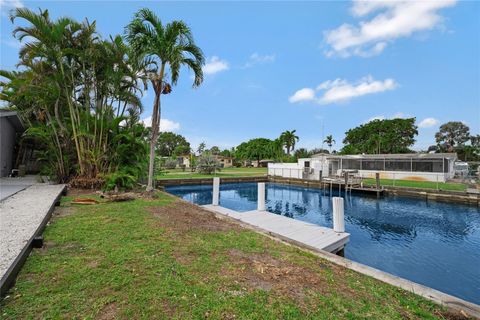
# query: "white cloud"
{"type": "Point", "coordinates": [215, 65]}
{"type": "Point", "coordinates": [256, 58]}
{"type": "Point", "coordinates": [393, 19]}
{"type": "Point", "coordinates": [398, 115]}
{"type": "Point", "coordinates": [165, 124]}
{"type": "Point", "coordinates": [340, 90]}
{"type": "Point", "coordinates": [7, 5]}
{"type": "Point", "coordinates": [428, 122]}
{"type": "Point", "coordinates": [305, 94]}
{"type": "Point", "coordinates": [344, 91]}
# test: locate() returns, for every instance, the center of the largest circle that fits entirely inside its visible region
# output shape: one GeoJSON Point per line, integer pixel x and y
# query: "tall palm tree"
{"type": "Point", "coordinates": [165, 48]}
{"type": "Point", "coordinates": [289, 139]}
{"type": "Point", "coordinates": [329, 141]}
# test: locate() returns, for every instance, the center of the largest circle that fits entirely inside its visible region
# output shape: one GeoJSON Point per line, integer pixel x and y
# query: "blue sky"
{"type": "Point", "coordinates": [317, 67]}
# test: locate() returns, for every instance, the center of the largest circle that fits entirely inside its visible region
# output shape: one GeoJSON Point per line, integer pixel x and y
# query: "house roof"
{"type": "Point", "coordinates": [13, 118]}
{"type": "Point", "coordinates": [390, 156]}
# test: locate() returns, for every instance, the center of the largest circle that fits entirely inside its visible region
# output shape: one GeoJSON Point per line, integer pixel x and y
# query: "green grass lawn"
{"type": "Point", "coordinates": [226, 172]}
{"type": "Point", "coordinates": [418, 184]}
{"type": "Point", "coordinates": [166, 259]}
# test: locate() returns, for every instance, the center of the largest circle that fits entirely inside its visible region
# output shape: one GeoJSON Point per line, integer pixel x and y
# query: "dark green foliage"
{"type": "Point", "coordinates": [119, 181]}
{"type": "Point", "coordinates": [452, 134]}
{"type": "Point", "coordinates": [170, 144]}
{"type": "Point", "coordinates": [381, 136]}
{"type": "Point", "coordinates": [255, 149]}
{"type": "Point", "coordinates": [288, 139]}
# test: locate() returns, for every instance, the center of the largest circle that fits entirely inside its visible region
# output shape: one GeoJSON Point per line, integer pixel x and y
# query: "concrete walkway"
{"type": "Point", "coordinates": [308, 234]}
{"type": "Point", "coordinates": [23, 215]}
{"type": "Point", "coordinates": [10, 186]}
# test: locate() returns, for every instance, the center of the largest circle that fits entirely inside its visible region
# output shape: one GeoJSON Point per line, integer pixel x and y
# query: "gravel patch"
{"type": "Point", "coordinates": [20, 216]}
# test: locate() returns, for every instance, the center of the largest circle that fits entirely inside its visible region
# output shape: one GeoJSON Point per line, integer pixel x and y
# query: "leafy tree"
{"type": "Point", "coordinates": [255, 149]}
{"type": "Point", "coordinates": [168, 142]}
{"type": "Point", "coordinates": [201, 148]}
{"type": "Point", "coordinates": [317, 151]}
{"type": "Point", "coordinates": [329, 141]}
{"type": "Point", "coordinates": [381, 136]}
{"type": "Point", "coordinates": [214, 150]}
{"type": "Point", "coordinates": [79, 95]}
{"type": "Point", "coordinates": [166, 48]}
{"type": "Point", "coordinates": [228, 153]}
{"type": "Point", "coordinates": [452, 134]}
{"type": "Point", "coordinates": [289, 139]}
{"type": "Point", "coordinates": [301, 153]}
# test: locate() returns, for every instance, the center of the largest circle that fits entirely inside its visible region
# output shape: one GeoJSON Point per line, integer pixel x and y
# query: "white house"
{"type": "Point", "coordinates": [413, 166]}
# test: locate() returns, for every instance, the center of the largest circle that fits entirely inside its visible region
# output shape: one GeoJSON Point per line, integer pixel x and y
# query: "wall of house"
{"type": "Point", "coordinates": [7, 142]}
{"type": "Point", "coordinates": [405, 175]}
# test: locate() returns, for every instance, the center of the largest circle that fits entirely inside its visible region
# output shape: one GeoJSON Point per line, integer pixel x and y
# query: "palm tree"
{"type": "Point", "coordinates": [289, 139]}
{"type": "Point", "coordinates": [164, 48]}
{"type": "Point", "coordinates": [330, 142]}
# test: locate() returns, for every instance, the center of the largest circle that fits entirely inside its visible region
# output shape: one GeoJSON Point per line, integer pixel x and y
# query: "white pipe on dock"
{"type": "Point", "coordinates": [338, 214]}
{"type": "Point", "coordinates": [261, 196]}
{"type": "Point", "coordinates": [216, 191]}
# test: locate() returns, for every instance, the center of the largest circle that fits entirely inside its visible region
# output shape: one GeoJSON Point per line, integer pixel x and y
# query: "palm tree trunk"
{"type": "Point", "coordinates": [157, 84]}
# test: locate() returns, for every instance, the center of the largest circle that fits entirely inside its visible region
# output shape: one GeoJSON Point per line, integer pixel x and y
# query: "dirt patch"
{"type": "Point", "coordinates": [109, 311]}
{"type": "Point", "coordinates": [262, 271]}
{"type": "Point", "coordinates": [183, 217]}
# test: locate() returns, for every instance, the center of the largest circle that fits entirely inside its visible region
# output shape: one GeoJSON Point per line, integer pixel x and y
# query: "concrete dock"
{"type": "Point", "coordinates": [304, 233]}
{"type": "Point", "coordinates": [23, 216]}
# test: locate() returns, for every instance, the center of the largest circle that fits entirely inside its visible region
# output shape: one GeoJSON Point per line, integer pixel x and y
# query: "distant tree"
{"type": "Point", "coordinates": [228, 153]}
{"type": "Point", "coordinates": [330, 142]}
{"type": "Point", "coordinates": [381, 136]}
{"type": "Point", "coordinates": [475, 140]}
{"type": "Point", "coordinates": [276, 150]}
{"type": "Point", "coordinates": [168, 142]}
{"type": "Point", "coordinates": [255, 149]}
{"type": "Point", "coordinates": [181, 150]}
{"type": "Point", "coordinates": [201, 148]}
{"type": "Point", "coordinates": [318, 150]}
{"type": "Point", "coordinates": [214, 150]}
{"type": "Point", "coordinates": [207, 163]}
{"type": "Point", "coordinates": [289, 139]}
{"type": "Point", "coordinates": [301, 153]}
{"type": "Point", "coordinates": [452, 134]}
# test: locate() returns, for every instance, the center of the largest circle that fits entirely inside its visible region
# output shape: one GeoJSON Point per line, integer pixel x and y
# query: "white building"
{"type": "Point", "coordinates": [413, 166]}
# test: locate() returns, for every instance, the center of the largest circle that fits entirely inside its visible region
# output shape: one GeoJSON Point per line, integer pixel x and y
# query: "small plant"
{"type": "Point", "coordinates": [207, 164]}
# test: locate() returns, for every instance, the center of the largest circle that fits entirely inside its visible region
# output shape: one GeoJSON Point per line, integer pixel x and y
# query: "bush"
{"type": "Point", "coordinates": [207, 164]}
{"type": "Point", "coordinates": [119, 181]}
{"type": "Point", "coordinates": [170, 163]}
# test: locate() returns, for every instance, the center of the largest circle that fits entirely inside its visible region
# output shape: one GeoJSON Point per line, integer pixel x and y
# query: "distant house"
{"type": "Point", "coordinates": [10, 126]}
{"type": "Point", "coordinates": [225, 162]}
{"type": "Point", "coordinates": [412, 166]}
{"type": "Point", "coordinates": [184, 160]}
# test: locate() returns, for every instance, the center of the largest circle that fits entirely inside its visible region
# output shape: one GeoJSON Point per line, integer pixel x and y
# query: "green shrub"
{"type": "Point", "coordinates": [207, 164]}
{"type": "Point", "coordinates": [170, 163]}
{"type": "Point", "coordinates": [120, 180]}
